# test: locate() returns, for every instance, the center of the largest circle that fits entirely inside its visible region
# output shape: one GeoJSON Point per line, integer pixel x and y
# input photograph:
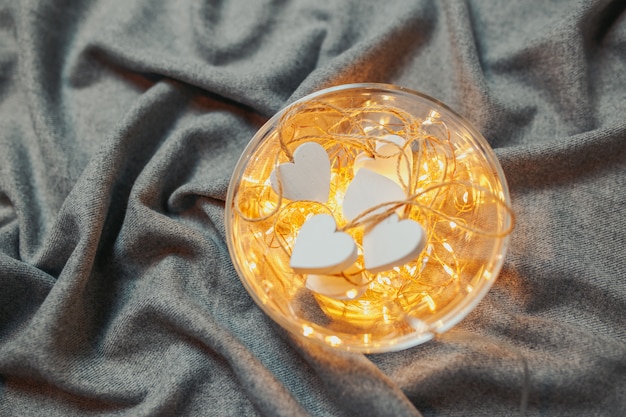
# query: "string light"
{"type": "Point", "coordinates": [457, 200]}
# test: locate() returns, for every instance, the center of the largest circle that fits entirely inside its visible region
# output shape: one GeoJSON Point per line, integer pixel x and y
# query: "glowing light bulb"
{"type": "Point", "coordinates": [333, 340]}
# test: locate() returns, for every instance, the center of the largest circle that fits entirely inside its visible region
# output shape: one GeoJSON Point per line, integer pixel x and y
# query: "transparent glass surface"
{"type": "Point", "coordinates": [455, 190]}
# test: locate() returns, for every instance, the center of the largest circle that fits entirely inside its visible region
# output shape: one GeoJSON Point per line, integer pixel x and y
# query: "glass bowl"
{"type": "Point", "coordinates": [452, 217]}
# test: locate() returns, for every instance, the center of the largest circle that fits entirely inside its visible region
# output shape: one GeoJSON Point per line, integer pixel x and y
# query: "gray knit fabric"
{"type": "Point", "coordinates": [121, 122]}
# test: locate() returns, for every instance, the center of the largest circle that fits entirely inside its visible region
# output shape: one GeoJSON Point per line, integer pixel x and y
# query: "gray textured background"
{"type": "Point", "coordinates": [121, 121]}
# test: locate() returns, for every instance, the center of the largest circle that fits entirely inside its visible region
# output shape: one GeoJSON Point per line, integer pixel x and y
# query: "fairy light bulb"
{"type": "Point", "coordinates": [452, 185]}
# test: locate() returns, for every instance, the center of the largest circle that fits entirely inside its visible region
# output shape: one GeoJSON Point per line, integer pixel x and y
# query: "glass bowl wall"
{"type": "Point", "coordinates": [460, 198]}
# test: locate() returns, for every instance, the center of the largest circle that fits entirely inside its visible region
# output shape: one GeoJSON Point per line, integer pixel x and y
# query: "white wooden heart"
{"type": "Point", "coordinates": [367, 190]}
{"type": "Point", "coordinates": [388, 146]}
{"type": "Point", "coordinates": [338, 287]}
{"type": "Point", "coordinates": [320, 249]}
{"type": "Point", "coordinates": [307, 178]}
{"type": "Point", "coordinates": [391, 243]}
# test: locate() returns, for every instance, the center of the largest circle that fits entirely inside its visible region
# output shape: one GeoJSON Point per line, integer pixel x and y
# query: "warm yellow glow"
{"type": "Point", "coordinates": [432, 116]}
{"type": "Point", "coordinates": [383, 280]}
{"type": "Point", "coordinates": [333, 340]}
{"type": "Point", "coordinates": [386, 316]}
{"type": "Point", "coordinates": [269, 205]}
{"type": "Point", "coordinates": [430, 302]}
{"type": "Point", "coordinates": [352, 294]}
{"type": "Point", "coordinates": [397, 301]}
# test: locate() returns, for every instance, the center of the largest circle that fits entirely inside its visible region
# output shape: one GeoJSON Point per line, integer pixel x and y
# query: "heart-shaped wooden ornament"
{"type": "Point", "coordinates": [307, 178]}
{"type": "Point", "coordinates": [368, 190]}
{"type": "Point", "coordinates": [338, 287]}
{"type": "Point", "coordinates": [320, 249]}
{"type": "Point", "coordinates": [391, 243]}
{"type": "Point", "coordinates": [390, 161]}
